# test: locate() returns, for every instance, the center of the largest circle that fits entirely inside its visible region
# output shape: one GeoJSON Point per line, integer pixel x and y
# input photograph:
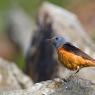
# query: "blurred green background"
{"type": "Point", "coordinates": [84, 9]}
{"type": "Point", "coordinates": [31, 6]}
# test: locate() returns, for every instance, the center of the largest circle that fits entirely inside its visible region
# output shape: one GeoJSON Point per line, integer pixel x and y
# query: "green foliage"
{"type": "Point", "coordinates": [4, 4]}
{"type": "Point", "coordinates": [19, 59]}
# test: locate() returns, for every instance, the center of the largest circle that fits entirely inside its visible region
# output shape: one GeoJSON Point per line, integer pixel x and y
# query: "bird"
{"type": "Point", "coordinates": [71, 56]}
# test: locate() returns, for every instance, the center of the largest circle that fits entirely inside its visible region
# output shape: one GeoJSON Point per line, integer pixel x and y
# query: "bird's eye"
{"type": "Point", "coordinates": [56, 38]}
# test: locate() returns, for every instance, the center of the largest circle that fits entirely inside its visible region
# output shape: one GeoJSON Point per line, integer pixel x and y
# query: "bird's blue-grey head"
{"type": "Point", "coordinates": [58, 41]}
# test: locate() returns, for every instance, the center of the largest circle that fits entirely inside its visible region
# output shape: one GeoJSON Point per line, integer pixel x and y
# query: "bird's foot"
{"type": "Point", "coordinates": [74, 74]}
{"type": "Point", "coordinates": [68, 78]}
{"type": "Point", "coordinates": [64, 79]}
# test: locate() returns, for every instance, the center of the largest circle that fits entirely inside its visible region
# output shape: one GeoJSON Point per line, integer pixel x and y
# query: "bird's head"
{"type": "Point", "coordinates": [58, 41]}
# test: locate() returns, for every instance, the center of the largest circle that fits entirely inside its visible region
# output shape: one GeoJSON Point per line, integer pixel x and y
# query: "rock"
{"type": "Point", "coordinates": [20, 24]}
{"type": "Point", "coordinates": [41, 59]}
{"type": "Point", "coordinates": [72, 86]}
{"type": "Point", "coordinates": [66, 24]}
{"type": "Point", "coordinates": [11, 77]}
{"type": "Point", "coordinates": [21, 30]}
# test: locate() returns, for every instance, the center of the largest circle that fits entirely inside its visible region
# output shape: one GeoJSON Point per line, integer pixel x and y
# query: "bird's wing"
{"type": "Point", "coordinates": [69, 47]}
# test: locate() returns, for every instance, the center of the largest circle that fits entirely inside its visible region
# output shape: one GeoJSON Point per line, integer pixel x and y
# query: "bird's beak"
{"type": "Point", "coordinates": [49, 40]}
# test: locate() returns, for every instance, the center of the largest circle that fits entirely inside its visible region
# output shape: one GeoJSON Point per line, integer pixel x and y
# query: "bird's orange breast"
{"type": "Point", "coordinates": [72, 61]}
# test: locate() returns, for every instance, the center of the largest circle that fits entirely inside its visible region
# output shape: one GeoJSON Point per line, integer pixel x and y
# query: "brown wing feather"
{"type": "Point", "coordinates": [77, 51]}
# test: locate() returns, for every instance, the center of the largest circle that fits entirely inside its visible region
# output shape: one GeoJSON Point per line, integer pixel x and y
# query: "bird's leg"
{"type": "Point", "coordinates": [72, 75]}
{"type": "Point", "coordinates": [78, 68]}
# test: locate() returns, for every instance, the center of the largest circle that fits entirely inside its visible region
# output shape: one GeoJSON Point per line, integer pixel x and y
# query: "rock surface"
{"type": "Point", "coordinates": [66, 24]}
{"type": "Point", "coordinates": [72, 86]}
{"type": "Point", "coordinates": [12, 81]}
{"type": "Point", "coordinates": [62, 23]}
{"type": "Point", "coordinates": [11, 77]}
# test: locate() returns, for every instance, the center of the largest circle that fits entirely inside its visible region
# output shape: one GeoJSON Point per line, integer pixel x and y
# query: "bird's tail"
{"type": "Point", "coordinates": [89, 63]}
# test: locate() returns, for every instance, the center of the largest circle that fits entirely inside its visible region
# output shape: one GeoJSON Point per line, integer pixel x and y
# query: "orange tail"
{"type": "Point", "coordinates": [89, 63]}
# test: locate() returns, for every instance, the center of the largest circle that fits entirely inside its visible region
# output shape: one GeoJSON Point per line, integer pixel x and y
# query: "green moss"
{"type": "Point", "coordinates": [30, 6]}
{"type": "Point", "coordinates": [59, 2]}
{"type": "Point", "coordinates": [20, 61]}
{"type": "Point", "coordinates": [4, 4]}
